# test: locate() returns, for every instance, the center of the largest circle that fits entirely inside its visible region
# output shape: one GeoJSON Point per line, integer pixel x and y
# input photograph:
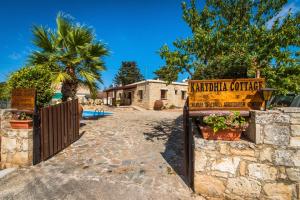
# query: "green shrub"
{"type": "Point", "coordinates": [4, 93]}
{"type": "Point", "coordinates": [33, 77]}
{"type": "Point", "coordinates": [172, 106]}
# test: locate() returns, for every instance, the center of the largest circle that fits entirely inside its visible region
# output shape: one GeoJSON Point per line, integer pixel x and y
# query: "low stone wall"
{"type": "Point", "coordinates": [16, 144]}
{"type": "Point", "coordinates": [268, 167]}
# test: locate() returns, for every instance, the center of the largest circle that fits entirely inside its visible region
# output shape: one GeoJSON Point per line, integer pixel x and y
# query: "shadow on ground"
{"type": "Point", "coordinates": [171, 132]}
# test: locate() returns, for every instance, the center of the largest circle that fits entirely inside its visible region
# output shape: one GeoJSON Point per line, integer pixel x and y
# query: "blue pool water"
{"type": "Point", "coordinates": [89, 113]}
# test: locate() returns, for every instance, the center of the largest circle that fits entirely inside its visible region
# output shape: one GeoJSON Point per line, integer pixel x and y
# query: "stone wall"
{"type": "Point", "coordinates": [268, 167]}
{"type": "Point", "coordinates": [16, 144]}
{"type": "Point", "coordinates": [173, 98]}
{"type": "Point", "coordinates": [152, 92]}
{"type": "Point", "coordinates": [136, 101]}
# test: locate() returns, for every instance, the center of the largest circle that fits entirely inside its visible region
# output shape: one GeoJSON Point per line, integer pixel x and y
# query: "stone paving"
{"type": "Point", "coordinates": [129, 155]}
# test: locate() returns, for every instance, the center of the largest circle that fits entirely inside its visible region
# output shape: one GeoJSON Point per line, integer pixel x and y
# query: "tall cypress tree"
{"type": "Point", "coordinates": [128, 73]}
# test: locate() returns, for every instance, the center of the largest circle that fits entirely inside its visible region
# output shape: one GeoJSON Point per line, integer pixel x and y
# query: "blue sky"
{"type": "Point", "coordinates": [133, 30]}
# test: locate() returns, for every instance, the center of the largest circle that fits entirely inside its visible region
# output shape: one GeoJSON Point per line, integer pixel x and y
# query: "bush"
{"type": "Point", "coordinates": [33, 77]}
{"type": "Point", "coordinates": [4, 93]}
{"type": "Point", "coordinates": [158, 105]}
{"type": "Point", "coordinates": [172, 106]}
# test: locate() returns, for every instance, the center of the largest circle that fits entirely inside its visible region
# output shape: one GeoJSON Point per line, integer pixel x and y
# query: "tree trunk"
{"type": "Point", "coordinates": [257, 74]}
{"type": "Point", "coordinates": [69, 86]}
{"type": "Point", "coordinates": [69, 89]}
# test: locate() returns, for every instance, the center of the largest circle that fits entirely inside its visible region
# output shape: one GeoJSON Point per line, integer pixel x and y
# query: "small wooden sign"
{"type": "Point", "coordinates": [226, 94]}
{"type": "Point", "coordinates": [23, 99]}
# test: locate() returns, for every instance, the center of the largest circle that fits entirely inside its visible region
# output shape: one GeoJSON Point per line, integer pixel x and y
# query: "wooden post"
{"type": "Point", "coordinates": [106, 98]}
{"type": "Point", "coordinates": [36, 134]}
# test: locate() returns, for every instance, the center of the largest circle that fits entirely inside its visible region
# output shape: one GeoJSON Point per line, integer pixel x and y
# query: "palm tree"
{"type": "Point", "coordinates": [72, 54]}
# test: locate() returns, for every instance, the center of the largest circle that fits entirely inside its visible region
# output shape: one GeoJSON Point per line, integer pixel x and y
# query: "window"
{"type": "Point", "coordinates": [140, 94]}
{"type": "Point", "coordinates": [163, 94]}
{"type": "Point", "coordinates": [183, 95]}
{"type": "Point", "coordinates": [176, 92]}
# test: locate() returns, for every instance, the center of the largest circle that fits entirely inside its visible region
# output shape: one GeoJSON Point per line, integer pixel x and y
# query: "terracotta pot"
{"type": "Point", "coordinates": [158, 105]}
{"type": "Point", "coordinates": [229, 134]}
{"type": "Point", "coordinates": [21, 124]}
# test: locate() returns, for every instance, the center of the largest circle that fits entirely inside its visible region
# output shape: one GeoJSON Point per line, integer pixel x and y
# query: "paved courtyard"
{"type": "Point", "coordinates": [129, 155]}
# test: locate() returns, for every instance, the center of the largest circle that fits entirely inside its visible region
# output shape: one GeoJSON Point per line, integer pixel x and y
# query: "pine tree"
{"type": "Point", "coordinates": [128, 73]}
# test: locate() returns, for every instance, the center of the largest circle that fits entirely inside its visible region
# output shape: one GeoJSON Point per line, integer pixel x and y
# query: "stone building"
{"type": "Point", "coordinates": [83, 93]}
{"type": "Point", "coordinates": [145, 93]}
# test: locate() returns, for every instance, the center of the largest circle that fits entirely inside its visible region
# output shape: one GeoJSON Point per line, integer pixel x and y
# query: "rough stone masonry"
{"type": "Point", "coordinates": [267, 167]}
{"type": "Point", "coordinates": [16, 144]}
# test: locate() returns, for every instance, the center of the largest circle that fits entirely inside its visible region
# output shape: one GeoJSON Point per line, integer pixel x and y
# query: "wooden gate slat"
{"type": "Point", "coordinates": [44, 133]}
{"type": "Point", "coordinates": [74, 120]}
{"type": "Point", "coordinates": [54, 126]}
{"type": "Point", "coordinates": [66, 126]}
{"type": "Point", "coordinates": [68, 123]}
{"type": "Point", "coordinates": [59, 128]}
{"type": "Point", "coordinates": [77, 119]}
{"type": "Point", "coordinates": [50, 129]}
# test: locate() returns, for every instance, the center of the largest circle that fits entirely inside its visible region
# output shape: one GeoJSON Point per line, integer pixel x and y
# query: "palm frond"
{"type": "Point", "coordinates": [88, 76]}
{"type": "Point", "coordinates": [59, 77]}
{"type": "Point", "coordinates": [98, 49]}
{"type": "Point", "coordinates": [78, 37]}
{"type": "Point", "coordinates": [42, 39]}
{"type": "Point", "coordinates": [64, 25]}
{"type": "Point", "coordinates": [37, 58]}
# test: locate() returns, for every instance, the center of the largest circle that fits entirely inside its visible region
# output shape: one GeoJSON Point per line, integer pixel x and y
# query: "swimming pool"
{"type": "Point", "coordinates": [94, 114]}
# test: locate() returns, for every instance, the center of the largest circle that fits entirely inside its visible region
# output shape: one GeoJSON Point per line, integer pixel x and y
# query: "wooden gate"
{"type": "Point", "coordinates": [59, 127]}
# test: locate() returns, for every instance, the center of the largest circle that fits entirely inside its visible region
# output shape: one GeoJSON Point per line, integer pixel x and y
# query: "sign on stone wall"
{"type": "Point", "coordinates": [23, 99]}
{"type": "Point", "coordinates": [226, 94]}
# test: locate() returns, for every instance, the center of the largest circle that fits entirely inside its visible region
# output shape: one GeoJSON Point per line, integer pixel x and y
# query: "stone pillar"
{"type": "Point", "coordinates": [16, 144]}
{"type": "Point", "coordinates": [276, 127]}
{"type": "Point", "coordinates": [16, 147]}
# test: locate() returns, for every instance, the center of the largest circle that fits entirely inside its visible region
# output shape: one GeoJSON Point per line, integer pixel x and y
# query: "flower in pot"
{"type": "Point", "coordinates": [218, 127]}
{"type": "Point", "coordinates": [21, 120]}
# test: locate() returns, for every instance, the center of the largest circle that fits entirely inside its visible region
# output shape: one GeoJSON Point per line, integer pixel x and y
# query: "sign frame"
{"type": "Point", "coordinates": [23, 99]}
{"type": "Point", "coordinates": [236, 94]}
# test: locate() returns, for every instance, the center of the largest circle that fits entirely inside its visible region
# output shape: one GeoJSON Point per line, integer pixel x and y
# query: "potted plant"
{"type": "Point", "coordinates": [21, 120]}
{"type": "Point", "coordinates": [218, 127]}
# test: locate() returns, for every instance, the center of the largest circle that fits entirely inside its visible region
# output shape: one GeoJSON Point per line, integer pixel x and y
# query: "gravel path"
{"type": "Point", "coordinates": [129, 155]}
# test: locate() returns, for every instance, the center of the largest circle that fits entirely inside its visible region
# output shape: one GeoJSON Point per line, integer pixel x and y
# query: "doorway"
{"type": "Point", "coordinates": [130, 98]}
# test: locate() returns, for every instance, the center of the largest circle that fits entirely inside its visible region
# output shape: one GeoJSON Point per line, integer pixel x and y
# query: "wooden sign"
{"type": "Point", "coordinates": [23, 99]}
{"type": "Point", "coordinates": [226, 94]}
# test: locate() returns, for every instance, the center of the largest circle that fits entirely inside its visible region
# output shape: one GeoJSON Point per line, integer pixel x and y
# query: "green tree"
{"type": "Point", "coordinates": [234, 39]}
{"type": "Point", "coordinates": [128, 73]}
{"type": "Point", "coordinates": [39, 78]}
{"type": "Point", "coordinates": [4, 93]}
{"type": "Point", "coordinates": [71, 53]}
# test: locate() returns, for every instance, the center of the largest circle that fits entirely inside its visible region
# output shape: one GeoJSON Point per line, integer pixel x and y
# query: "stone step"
{"type": "Point", "coordinates": [138, 108]}
{"type": "Point", "coordinates": [5, 172]}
